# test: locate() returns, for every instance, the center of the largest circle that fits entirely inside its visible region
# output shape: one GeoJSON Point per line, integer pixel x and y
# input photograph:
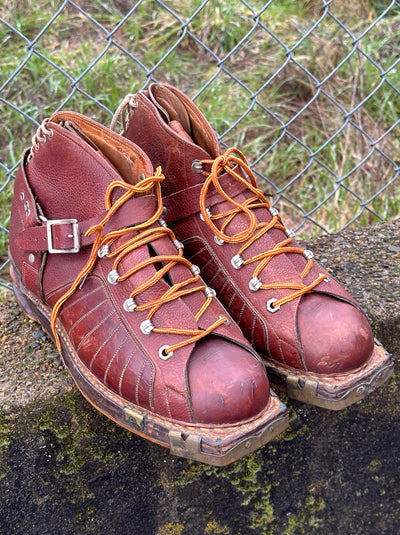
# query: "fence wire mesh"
{"type": "Point", "coordinates": [308, 90]}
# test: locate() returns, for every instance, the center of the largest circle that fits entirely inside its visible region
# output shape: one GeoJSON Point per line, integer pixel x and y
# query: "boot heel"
{"type": "Point", "coordinates": [27, 305]}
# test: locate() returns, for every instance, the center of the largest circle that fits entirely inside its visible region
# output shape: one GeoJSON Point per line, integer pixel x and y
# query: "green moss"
{"type": "Point", "coordinates": [384, 401]}
{"type": "Point", "coordinates": [193, 473]}
{"type": "Point", "coordinates": [374, 465]}
{"type": "Point", "coordinates": [6, 432]}
{"type": "Point", "coordinates": [243, 475]}
{"type": "Point", "coordinates": [40, 500]}
{"type": "Point", "coordinates": [214, 528]}
{"type": "Point", "coordinates": [303, 431]}
{"type": "Point", "coordinates": [262, 516]}
{"type": "Point", "coordinates": [68, 427]}
{"type": "Point", "coordinates": [91, 510]}
{"type": "Point", "coordinates": [86, 521]}
{"type": "Point", "coordinates": [308, 515]}
{"type": "Point", "coordinates": [314, 503]}
{"type": "Point", "coordinates": [172, 528]}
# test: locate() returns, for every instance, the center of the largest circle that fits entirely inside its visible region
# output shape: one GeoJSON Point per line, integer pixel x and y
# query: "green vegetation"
{"type": "Point", "coordinates": [288, 97]}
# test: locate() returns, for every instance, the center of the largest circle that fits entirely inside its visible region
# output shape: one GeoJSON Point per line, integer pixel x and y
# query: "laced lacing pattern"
{"type": "Point", "coordinates": [144, 233]}
{"type": "Point", "coordinates": [40, 137]}
{"type": "Point", "coordinates": [226, 163]}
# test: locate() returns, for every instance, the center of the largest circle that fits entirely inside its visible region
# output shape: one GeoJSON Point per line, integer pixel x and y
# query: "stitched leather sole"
{"type": "Point", "coordinates": [334, 391]}
{"type": "Point", "coordinates": [214, 445]}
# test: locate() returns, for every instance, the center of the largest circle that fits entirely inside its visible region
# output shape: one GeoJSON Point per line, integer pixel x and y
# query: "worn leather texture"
{"type": "Point", "coordinates": [215, 381]}
{"type": "Point", "coordinates": [324, 331]}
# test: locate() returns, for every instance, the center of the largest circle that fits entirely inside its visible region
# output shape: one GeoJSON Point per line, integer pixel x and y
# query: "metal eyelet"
{"type": "Point", "coordinates": [22, 196]}
{"type": "Point", "coordinates": [197, 166]}
{"type": "Point", "coordinates": [178, 244]}
{"type": "Point", "coordinates": [273, 211]}
{"type": "Point", "coordinates": [218, 240]}
{"type": "Point", "coordinates": [164, 210]}
{"type": "Point", "coordinates": [113, 277]}
{"type": "Point", "coordinates": [237, 261]}
{"type": "Point", "coordinates": [308, 254]}
{"type": "Point", "coordinates": [208, 213]}
{"type": "Point", "coordinates": [162, 353]}
{"type": "Point", "coordinates": [255, 284]}
{"type": "Point", "coordinates": [129, 304]}
{"type": "Point", "coordinates": [227, 323]}
{"type": "Point", "coordinates": [162, 222]}
{"type": "Point", "coordinates": [327, 279]}
{"type": "Point", "coordinates": [290, 233]}
{"type": "Point", "coordinates": [210, 292]}
{"type": "Point", "coordinates": [103, 251]}
{"type": "Point", "coordinates": [195, 269]}
{"type": "Point", "coordinates": [146, 326]}
{"type": "Point", "coordinates": [270, 306]}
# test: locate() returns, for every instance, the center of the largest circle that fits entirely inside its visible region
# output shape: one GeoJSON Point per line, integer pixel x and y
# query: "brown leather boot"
{"type": "Point", "coordinates": [144, 338]}
{"type": "Point", "coordinates": [316, 342]}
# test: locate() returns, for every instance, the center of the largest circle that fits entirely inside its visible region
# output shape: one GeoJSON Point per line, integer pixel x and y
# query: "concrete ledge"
{"type": "Point", "coordinates": [66, 469]}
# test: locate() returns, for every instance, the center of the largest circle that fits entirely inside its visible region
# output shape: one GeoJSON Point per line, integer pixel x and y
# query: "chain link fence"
{"type": "Point", "coordinates": [310, 91]}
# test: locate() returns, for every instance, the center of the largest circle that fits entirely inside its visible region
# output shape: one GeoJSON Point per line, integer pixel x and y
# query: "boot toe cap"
{"type": "Point", "coordinates": [335, 336]}
{"type": "Point", "coordinates": [227, 383]}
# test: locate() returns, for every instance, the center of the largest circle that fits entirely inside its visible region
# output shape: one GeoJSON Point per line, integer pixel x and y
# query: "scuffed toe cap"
{"type": "Point", "coordinates": [227, 383]}
{"type": "Point", "coordinates": [335, 337]}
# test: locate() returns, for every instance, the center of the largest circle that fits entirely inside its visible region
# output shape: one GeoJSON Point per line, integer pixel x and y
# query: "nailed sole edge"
{"type": "Point", "coordinates": [333, 392]}
{"type": "Point", "coordinates": [218, 446]}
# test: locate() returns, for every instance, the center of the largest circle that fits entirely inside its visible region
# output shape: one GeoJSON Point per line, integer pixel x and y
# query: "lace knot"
{"type": "Point", "coordinates": [234, 163]}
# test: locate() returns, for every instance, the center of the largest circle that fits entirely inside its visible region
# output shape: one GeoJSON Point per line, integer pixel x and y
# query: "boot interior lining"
{"type": "Point", "coordinates": [174, 106]}
{"type": "Point", "coordinates": [127, 159]}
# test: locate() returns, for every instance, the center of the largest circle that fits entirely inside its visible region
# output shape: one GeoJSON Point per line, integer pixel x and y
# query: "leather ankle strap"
{"type": "Point", "coordinates": [69, 235]}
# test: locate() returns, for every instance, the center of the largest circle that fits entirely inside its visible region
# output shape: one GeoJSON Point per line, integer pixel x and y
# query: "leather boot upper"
{"type": "Point", "coordinates": [86, 219]}
{"type": "Point", "coordinates": [321, 331]}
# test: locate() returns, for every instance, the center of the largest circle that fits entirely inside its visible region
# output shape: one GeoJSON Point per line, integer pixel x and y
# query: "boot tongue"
{"type": "Point", "coordinates": [184, 117]}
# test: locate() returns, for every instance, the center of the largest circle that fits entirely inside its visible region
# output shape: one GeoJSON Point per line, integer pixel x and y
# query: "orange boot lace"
{"type": "Point", "coordinates": [226, 163]}
{"type": "Point", "coordinates": [147, 233]}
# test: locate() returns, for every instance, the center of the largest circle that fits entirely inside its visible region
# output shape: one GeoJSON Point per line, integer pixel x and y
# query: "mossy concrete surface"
{"type": "Point", "coordinates": [67, 469]}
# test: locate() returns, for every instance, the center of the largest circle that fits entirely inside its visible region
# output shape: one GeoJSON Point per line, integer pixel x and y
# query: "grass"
{"type": "Point", "coordinates": [257, 69]}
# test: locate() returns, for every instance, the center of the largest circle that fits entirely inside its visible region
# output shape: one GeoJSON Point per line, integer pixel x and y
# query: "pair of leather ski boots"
{"type": "Point", "coordinates": [172, 288]}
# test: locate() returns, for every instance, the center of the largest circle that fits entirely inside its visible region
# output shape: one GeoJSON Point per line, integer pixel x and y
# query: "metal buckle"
{"type": "Point", "coordinates": [75, 235]}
